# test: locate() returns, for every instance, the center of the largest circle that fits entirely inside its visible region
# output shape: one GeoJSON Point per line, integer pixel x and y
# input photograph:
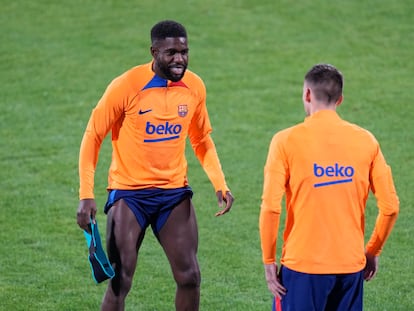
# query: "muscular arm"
{"type": "Point", "coordinates": [108, 110]}
{"type": "Point", "coordinates": [100, 122]}
{"type": "Point", "coordinates": [388, 205]}
{"type": "Point", "coordinates": [206, 153]}
{"type": "Point", "coordinates": [275, 178]}
{"type": "Point", "coordinates": [88, 158]}
{"type": "Point", "coordinates": [203, 145]}
{"type": "Point", "coordinates": [387, 201]}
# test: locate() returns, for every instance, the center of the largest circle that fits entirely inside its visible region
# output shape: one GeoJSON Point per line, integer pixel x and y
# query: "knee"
{"type": "Point", "coordinates": [188, 278]}
{"type": "Point", "coordinates": [121, 283]}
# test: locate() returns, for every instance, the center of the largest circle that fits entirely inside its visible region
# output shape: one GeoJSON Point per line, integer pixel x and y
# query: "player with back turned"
{"type": "Point", "coordinates": [326, 167]}
{"type": "Point", "coordinates": [151, 110]}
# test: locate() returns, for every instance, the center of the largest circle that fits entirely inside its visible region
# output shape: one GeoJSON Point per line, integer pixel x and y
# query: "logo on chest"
{"type": "Point", "coordinates": [182, 110]}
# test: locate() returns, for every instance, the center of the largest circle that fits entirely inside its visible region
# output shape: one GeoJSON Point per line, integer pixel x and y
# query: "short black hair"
{"type": "Point", "coordinates": [167, 29]}
{"type": "Point", "coordinates": [326, 81]}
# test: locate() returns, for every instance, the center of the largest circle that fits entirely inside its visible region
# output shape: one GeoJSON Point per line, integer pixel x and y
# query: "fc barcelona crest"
{"type": "Point", "coordinates": [182, 110]}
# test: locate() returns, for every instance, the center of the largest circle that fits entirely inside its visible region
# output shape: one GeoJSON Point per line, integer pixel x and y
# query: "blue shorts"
{"type": "Point", "coordinates": [321, 292]}
{"type": "Point", "coordinates": [150, 206]}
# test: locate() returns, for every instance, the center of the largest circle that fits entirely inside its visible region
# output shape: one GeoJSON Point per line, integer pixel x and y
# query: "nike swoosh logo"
{"type": "Point", "coordinates": [144, 111]}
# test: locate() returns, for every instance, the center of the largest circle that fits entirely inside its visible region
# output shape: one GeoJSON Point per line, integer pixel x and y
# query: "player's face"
{"type": "Point", "coordinates": [170, 58]}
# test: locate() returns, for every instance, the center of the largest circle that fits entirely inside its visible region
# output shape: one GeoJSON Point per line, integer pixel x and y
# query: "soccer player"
{"type": "Point", "coordinates": [151, 109]}
{"type": "Point", "coordinates": [326, 167]}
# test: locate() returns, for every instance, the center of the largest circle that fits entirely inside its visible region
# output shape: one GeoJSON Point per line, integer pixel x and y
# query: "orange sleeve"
{"type": "Point", "coordinates": [387, 202]}
{"type": "Point", "coordinates": [206, 152]}
{"type": "Point", "coordinates": [88, 158]}
{"type": "Point", "coordinates": [103, 116]}
{"type": "Point", "coordinates": [203, 145]}
{"type": "Point", "coordinates": [269, 227]}
{"type": "Point", "coordinates": [382, 230]}
{"type": "Point", "coordinates": [275, 179]}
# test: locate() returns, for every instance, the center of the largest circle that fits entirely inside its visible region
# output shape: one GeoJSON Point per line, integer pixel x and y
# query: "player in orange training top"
{"type": "Point", "coordinates": [326, 167]}
{"type": "Point", "coordinates": [151, 110]}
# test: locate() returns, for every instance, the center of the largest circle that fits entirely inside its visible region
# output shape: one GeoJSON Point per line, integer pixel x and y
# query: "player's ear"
{"type": "Point", "coordinates": [153, 51]}
{"type": "Point", "coordinates": [340, 100]}
{"type": "Point", "coordinates": [307, 95]}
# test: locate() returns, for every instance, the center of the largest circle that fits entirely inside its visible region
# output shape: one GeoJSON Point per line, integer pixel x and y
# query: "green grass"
{"type": "Point", "coordinates": [56, 58]}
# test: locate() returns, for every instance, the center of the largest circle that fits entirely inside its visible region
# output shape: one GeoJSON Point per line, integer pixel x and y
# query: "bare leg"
{"type": "Point", "coordinates": [124, 237]}
{"type": "Point", "coordinates": [179, 238]}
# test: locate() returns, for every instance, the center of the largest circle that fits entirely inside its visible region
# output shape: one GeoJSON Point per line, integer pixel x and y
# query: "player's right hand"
{"type": "Point", "coordinates": [86, 211]}
{"type": "Point", "coordinates": [273, 282]}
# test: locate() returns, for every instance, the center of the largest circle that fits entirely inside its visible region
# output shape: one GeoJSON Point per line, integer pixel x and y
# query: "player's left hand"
{"type": "Point", "coordinates": [226, 201]}
{"type": "Point", "coordinates": [371, 267]}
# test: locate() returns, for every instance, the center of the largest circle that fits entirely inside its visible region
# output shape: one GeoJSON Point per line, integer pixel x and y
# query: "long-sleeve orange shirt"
{"type": "Point", "coordinates": [326, 167]}
{"type": "Point", "coordinates": [150, 119]}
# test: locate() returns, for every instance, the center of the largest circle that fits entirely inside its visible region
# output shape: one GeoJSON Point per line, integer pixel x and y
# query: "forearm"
{"type": "Point", "coordinates": [207, 155]}
{"type": "Point", "coordinates": [88, 158]}
{"type": "Point", "coordinates": [269, 227]}
{"type": "Point", "coordinates": [383, 227]}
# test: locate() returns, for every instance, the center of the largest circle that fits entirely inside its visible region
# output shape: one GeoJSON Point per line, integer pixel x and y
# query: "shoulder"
{"type": "Point", "coordinates": [135, 78]}
{"type": "Point", "coordinates": [360, 132]}
{"type": "Point", "coordinates": [289, 132]}
{"type": "Point", "coordinates": [284, 136]}
{"type": "Point", "coordinates": [193, 78]}
{"type": "Point", "coordinates": [194, 82]}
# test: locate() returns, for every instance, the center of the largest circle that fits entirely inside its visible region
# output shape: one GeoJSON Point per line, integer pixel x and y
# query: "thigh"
{"type": "Point", "coordinates": [179, 237]}
{"type": "Point", "coordinates": [347, 294]}
{"type": "Point", "coordinates": [305, 292]}
{"type": "Point", "coordinates": [124, 237]}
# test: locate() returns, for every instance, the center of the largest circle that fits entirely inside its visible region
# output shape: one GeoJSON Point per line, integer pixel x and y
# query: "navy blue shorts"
{"type": "Point", "coordinates": [321, 292]}
{"type": "Point", "coordinates": [150, 206]}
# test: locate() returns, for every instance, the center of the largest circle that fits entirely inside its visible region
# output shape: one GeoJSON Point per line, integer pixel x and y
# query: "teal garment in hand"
{"type": "Point", "coordinates": [100, 265]}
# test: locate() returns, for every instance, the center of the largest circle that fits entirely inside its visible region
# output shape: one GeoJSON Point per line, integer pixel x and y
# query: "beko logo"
{"type": "Point", "coordinates": [339, 174]}
{"type": "Point", "coordinates": [163, 131]}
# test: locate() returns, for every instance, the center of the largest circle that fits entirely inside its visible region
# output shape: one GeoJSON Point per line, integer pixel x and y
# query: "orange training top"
{"type": "Point", "coordinates": [326, 167]}
{"type": "Point", "coordinates": [150, 119]}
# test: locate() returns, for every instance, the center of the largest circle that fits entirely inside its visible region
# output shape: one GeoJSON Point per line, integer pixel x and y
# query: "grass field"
{"type": "Point", "coordinates": [56, 58]}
